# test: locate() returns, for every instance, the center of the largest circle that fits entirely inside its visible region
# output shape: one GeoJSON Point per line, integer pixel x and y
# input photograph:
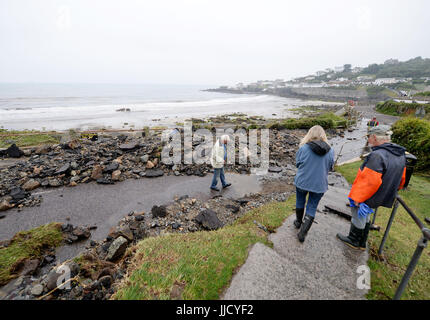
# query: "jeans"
{"type": "Point", "coordinates": [218, 172]}
{"type": "Point", "coordinates": [356, 220]}
{"type": "Point", "coordinates": [313, 200]}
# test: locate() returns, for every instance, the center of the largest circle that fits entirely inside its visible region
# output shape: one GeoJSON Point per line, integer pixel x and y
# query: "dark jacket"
{"type": "Point", "coordinates": [382, 173]}
{"type": "Point", "coordinates": [314, 160]}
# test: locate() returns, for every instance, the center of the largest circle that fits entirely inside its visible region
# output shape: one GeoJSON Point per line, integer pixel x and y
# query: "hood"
{"type": "Point", "coordinates": [319, 147]}
{"type": "Point", "coordinates": [392, 147]}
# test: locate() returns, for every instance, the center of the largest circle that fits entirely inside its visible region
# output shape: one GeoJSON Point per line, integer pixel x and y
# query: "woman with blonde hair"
{"type": "Point", "coordinates": [314, 159]}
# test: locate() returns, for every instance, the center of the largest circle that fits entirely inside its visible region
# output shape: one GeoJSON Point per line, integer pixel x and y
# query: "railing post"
{"type": "Point", "coordinates": [390, 222]}
{"type": "Point", "coordinates": [374, 216]}
{"type": "Point", "coordinates": [422, 243]}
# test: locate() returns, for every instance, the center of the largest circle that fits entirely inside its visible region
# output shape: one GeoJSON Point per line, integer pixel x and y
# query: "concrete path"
{"type": "Point", "coordinates": [320, 268]}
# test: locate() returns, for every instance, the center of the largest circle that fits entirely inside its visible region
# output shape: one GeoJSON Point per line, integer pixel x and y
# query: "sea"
{"type": "Point", "coordinates": [65, 106]}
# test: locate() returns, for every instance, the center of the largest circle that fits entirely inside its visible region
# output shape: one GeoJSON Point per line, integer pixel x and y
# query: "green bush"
{"type": "Point", "coordinates": [422, 94]}
{"type": "Point", "coordinates": [327, 121]}
{"type": "Point", "coordinates": [414, 135]}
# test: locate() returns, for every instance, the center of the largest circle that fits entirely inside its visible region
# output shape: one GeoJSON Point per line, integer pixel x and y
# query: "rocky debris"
{"type": "Point", "coordinates": [116, 175]}
{"type": "Point", "coordinates": [275, 169]}
{"type": "Point", "coordinates": [12, 152]}
{"type": "Point", "coordinates": [128, 146]}
{"type": "Point", "coordinates": [209, 220]}
{"type": "Point", "coordinates": [74, 234]}
{"type": "Point", "coordinates": [158, 211]}
{"type": "Point", "coordinates": [31, 185]}
{"type": "Point", "coordinates": [233, 208]}
{"type": "Point", "coordinates": [117, 248]}
{"type": "Point", "coordinates": [30, 266]}
{"type": "Point", "coordinates": [17, 194]}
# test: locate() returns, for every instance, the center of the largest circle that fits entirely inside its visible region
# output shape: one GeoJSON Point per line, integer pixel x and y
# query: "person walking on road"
{"type": "Point", "coordinates": [382, 173]}
{"type": "Point", "coordinates": [314, 160]}
{"type": "Point", "coordinates": [218, 159]}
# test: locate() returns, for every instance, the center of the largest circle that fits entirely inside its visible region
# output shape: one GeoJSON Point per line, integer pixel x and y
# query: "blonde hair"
{"type": "Point", "coordinates": [314, 133]}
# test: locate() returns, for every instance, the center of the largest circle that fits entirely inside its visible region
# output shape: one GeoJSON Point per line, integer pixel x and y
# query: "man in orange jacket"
{"type": "Point", "coordinates": [382, 173]}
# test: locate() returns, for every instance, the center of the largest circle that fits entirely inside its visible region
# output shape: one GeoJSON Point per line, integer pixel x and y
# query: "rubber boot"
{"type": "Point", "coordinates": [299, 217]}
{"type": "Point", "coordinates": [306, 225]}
{"type": "Point", "coordinates": [365, 235]}
{"type": "Point", "coordinates": [354, 238]}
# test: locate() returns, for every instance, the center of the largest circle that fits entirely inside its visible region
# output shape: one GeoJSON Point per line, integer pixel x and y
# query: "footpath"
{"type": "Point", "coordinates": [321, 268]}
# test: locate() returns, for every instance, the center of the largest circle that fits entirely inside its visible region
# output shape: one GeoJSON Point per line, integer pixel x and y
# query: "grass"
{"type": "Point", "coordinates": [26, 138]}
{"type": "Point", "coordinates": [401, 243]}
{"type": "Point", "coordinates": [28, 245]}
{"type": "Point", "coordinates": [326, 120]}
{"type": "Point", "coordinates": [198, 265]}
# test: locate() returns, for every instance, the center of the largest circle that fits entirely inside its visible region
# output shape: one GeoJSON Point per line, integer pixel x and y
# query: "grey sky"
{"type": "Point", "coordinates": [200, 41]}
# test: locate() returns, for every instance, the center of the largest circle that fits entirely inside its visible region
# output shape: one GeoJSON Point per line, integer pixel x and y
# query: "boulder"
{"type": "Point", "coordinates": [14, 152]}
{"type": "Point", "coordinates": [144, 158]}
{"type": "Point", "coordinates": [159, 211]}
{"type": "Point", "coordinates": [128, 146]}
{"type": "Point", "coordinates": [117, 249]}
{"type": "Point", "coordinates": [209, 220]}
{"type": "Point", "coordinates": [111, 167]}
{"type": "Point", "coordinates": [5, 205]}
{"type": "Point", "coordinates": [65, 169]}
{"type": "Point", "coordinates": [149, 165]}
{"type": "Point", "coordinates": [31, 185]}
{"type": "Point", "coordinates": [152, 173]}
{"type": "Point", "coordinates": [44, 149]}
{"type": "Point", "coordinates": [18, 193]}
{"type": "Point", "coordinates": [81, 233]}
{"type": "Point", "coordinates": [54, 182]}
{"type": "Point", "coordinates": [116, 175]}
{"type": "Point", "coordinates": [37, 290]}
{"type": "Point", "coordinates": [97, 172]}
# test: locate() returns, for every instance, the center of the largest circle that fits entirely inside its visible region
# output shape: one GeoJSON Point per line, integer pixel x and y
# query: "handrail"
{"type": "Point", "coordinates": [422, 243]}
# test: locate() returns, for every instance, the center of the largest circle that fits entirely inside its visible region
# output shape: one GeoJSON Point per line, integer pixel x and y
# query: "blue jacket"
{"type": "Point", "coordinates": [314, 160]}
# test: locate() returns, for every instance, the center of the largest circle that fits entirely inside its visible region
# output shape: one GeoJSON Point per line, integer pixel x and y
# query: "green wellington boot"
{"type": "Point", "coordinates": [306, 225]}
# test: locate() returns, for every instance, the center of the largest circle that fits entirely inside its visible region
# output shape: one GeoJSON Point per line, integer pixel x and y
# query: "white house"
{"type": "Point", "coordinates": [381, 81]}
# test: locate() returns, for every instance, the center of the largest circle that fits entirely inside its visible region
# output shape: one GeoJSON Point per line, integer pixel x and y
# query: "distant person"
{"type": "Point", "coordinates": [314, 160]}
{"type": "Point", "coordinates": [382, 173]}
{"type": "Point", "coordinates": [218, 159]}
{"type": "Point", "coordinates": [373, 123]}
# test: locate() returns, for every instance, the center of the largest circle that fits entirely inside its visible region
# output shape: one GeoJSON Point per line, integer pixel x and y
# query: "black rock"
{"type": "Point", "coordinates": [64, 169]}
{"type": "Point", "coordinates": [209, 220]}
{"type": "Point", "coordinates": [18, 193]}
{"type": "Point", "coordinates": [151, 173]}
{"type": "Point", "coordinates": [175, 226]}
{"type": "Point", "coordinates": [158, 211]}
{"type": "Point", "coordinates": [13, 151]}
{"type": "Point", "coordinates": [139, 217]}
{"type": "Point", "coordinates": [111, 167]}
{"type": "Point", "coordinates": [242, 201]}
{"type": "Point", "coordinates": [104, 181]}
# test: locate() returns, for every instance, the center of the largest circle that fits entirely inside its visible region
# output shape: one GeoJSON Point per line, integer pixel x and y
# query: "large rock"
{"type": "Point", "coordinates": [14, 152]}
{"type": "Point", "coordinates": [37, 290]}
{"type": "Point", "coordinates": [128, 146]}
{"type": "Point", "coordinates": [152, 173]}
{"type": "Point", "coordinates": [209, 220]}
{"type": "Point", "coordinates": [111, 167]}
{"type": "Point", "coordinates": [63, 170]}
{"type": "Point", "coordinates": [159, 211]}
{"type": "Point", "coordinates": [5, 205]}
{"type": "Point", "coordinates": [31, 185]}
{"type": "Point", "coordinates": [116, 175]}
{"type": "Point", "coordinates": [43, 149]}
{"type": "Point", "coordinates": [18, 193]}
{"type": "Point", "coordinates": [117, 249]}
{"type": "Point", "coordinates": [97, 172]}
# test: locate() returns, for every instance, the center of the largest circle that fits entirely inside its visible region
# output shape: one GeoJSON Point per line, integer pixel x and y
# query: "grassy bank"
{"type": "Point", "coordinates": [401, 108]}
{"type": "Point", "coordinates": [25, 138]}
{"type": "Point", "coordinates": [327, 121]}
{"type": "Point", "coordinates": [28, 245]}
{"type": "Point", "coordinates": [198, 265]}
{"type": "Point", "coordinates": [402, 240]}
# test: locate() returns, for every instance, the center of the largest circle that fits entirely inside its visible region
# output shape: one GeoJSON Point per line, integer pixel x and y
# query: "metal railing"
{"type": "Point", "coordinates": [422, 244]}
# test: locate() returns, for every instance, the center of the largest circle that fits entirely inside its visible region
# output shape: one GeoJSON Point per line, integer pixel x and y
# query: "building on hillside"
{"type": "Point", "coordinates": [382, 81]}
{"type": "Point", "coordinates": [391, 61]}
{"type": "Point", "coordinates": [320, 73]}
{"type": "Point", "coordinates": [356, 70]}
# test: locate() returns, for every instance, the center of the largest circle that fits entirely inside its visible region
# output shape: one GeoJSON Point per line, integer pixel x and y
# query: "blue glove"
{"type": "Point", "coordinates": [364, 210]}
{"type": "Point", "coordinates": [351, 203]}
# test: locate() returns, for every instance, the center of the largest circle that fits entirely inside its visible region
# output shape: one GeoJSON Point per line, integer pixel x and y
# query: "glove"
{"type": "Point", "coordinates": [364, 210]}
{"type": "Point", "coordinates": [351, 203]}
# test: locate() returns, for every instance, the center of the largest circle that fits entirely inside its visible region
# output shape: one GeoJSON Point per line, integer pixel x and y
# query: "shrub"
{"type": "Point", "coordinates": [414, 135]}
{"type": "Point", "coordinates": [400, 108]}
{"type": "Point", "coordinates": [327, 121]}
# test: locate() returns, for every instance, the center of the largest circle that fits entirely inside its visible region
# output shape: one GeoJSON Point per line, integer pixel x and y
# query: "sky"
{"type": "Point", "coordinates": [202, 42]}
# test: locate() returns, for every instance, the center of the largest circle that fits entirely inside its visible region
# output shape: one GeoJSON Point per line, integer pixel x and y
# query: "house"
{"type": "Point", "coordinates": [320, 73]}
{"type": "Point", "coordinates": [382, 81]}
{"type": "Point", "coordinates": [356, 70]}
